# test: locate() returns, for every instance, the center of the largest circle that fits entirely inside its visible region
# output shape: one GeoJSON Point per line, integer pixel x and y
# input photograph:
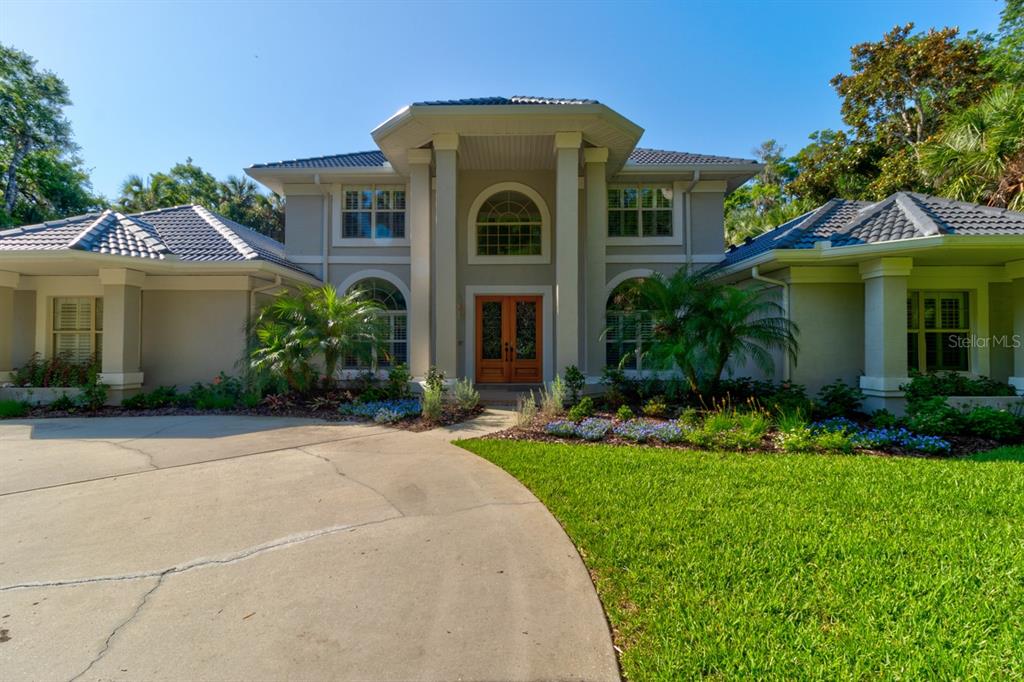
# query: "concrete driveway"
{"type": "Point", "coordinates": [231, 548]}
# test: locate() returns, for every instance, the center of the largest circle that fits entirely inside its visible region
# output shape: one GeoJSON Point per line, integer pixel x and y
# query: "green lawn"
{"type": "Point", "coordinates": [793, 566]}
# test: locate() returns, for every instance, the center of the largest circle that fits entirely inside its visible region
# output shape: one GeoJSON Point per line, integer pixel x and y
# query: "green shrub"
{"type": "Point", "coordinates": [552, 398]}
{"type": "Point", "coordinates": [574, 382]}
{"type": "Point", "coordinates": [435, 381]}
{"type": "Point", "coordinates": [94, 392]}
{"type": "Point", "coordinates": [368, 388]}
{"type": "Point", "coordinates": [797, 439]}
{"type": "Point", "coordinates": [732, 429]}
{"type": "Point", "coordinates": [989, 422]}
{"type": "Point", "coordinates": [63, 403]}
{"type": "Point", "coordinates": [223, 393]}
{"type": "Point", "coordinates": [54, 372]}
{"type": "Point", "coordinates": [833, 441]}
{"type": "Point", "coordinates": [689, 417]}
{"type": "Point", "coordinates": [162, 396]}
{"type": "Point", "coordinates": [934, 417]}
{"type": "Point", "coordinates": [619, 389]}
{"type": "Point", "coordinates": [925, 386]}
{"type": "Point", "coordinates": [838, 400]}
{"type": "Point", "coordinates": [433, 402]}
{"type": "Point", "coordinates": [135, 402]}
{"type": "Point", "coordinates": [884, 419]}
{"type": "Point", "coordinates": [13, 409]}
{"type": "Point", "coordinates": [397, 386]}
{"type": "Point", "coordinates": [582, 409]}
{"type": "Point", "coordinates": [526, 409]}
{"type": "Point", "coordinates": [624, 413]}
{"type": "Point", "coordinates": [466, 395]}
{"type": "Point", "coordinates": [655, 407]}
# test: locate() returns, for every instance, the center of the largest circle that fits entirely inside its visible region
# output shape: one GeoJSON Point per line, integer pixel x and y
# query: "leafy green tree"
{"type": "Point", "coordinates": [1005, 58]}
{"type": "Point", "coordinates": [765, 201]}
{"type": "Point", "coordinates": [294, 332]}
{"type": "Point", "coordinates": [700, 325]}
{"type": "Point", "coordinates": [186, 183]}
{"type": "Point", "coordinates": [42, 177]}
{"type": "Point", "coordinates": [979, 155]}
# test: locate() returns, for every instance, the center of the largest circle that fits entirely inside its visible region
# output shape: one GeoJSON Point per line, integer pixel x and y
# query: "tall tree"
{"type": "Point", "coordinates": [42, 178]}
{"type": "Point", "coordinates": [765, 201]}
{"type": "Point", "coordinates": [979, 155]}
{"type": "Point", "coordinates": [1006, 56]}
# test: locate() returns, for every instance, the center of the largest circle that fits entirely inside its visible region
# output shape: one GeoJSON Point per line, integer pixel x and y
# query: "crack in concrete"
{"type": "Point", "coordinates": [241, 555]}
{"type": "Point", "coordinates": [120, 626]}
{"type": "Point", "coordinates": [334, 465]}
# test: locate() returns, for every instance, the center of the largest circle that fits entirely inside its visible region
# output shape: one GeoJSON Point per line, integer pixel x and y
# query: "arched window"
{"type": "Point", "coordinates": [388, 296]}
{"type": "Point", "coordinates": [628, 329]}
{"type": "Point", "coordinates": [509, 223]}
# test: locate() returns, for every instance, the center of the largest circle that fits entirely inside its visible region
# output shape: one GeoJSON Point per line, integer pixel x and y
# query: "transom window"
{"type": "Point", "coordinates": [78, 328]}
{"type": "Point", "coordinates": [390, 299]}
{"type": "Point", "coordinates": [509, 223]}
{"type": "Point", "coordinates": [373, 212]}
{"type": "Point", "coordinates": [938, 331]}
{"type": "Point", "coordinates": [640, 211]}
{"type": "Point", "coordinates": [628, 330]}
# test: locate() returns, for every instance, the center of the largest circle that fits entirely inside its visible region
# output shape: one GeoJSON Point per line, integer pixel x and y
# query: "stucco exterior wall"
{"type": "Point", "coordinates": [708, 230]}
{"type": "Point", "coordinates": [23, 339]}
{"type": "Point", "coordinates": [190, 336]}
{"type": "Point", "coordinates": [303, 216]}
{"type": "Point", "coordinates": [1001, 325]}
{"type": "Point", "coordinates": [831, 322]}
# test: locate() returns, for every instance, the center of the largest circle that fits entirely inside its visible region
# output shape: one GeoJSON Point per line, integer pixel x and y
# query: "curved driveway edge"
{"type": "Point", "coordinates": [255, 548]}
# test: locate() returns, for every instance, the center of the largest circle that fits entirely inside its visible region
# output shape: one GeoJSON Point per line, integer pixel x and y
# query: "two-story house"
{"type": "Point", "coordinates": [495, 230]}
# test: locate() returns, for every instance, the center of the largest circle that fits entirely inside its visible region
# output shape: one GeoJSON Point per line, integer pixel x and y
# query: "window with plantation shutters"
{"type": "Point", "coordinates": [628, 330]}
{"type": "Point", "coordinates": [78, 328]}
{"type": "Point", "coordinates": [938, 331]}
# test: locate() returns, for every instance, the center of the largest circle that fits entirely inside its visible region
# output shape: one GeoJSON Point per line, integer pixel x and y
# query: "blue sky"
{"type": "Point", "coordinates": [235, 83]}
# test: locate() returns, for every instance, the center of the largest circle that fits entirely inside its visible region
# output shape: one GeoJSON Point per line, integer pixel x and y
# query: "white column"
{"type": "Point", "coordinates": [596, 193]}
{"type": "Point", "coordinates": [446, 147]}
{"type": "Point", "coordinates": [8, 282]}
{"type": "Point", "coordinates": [1016, 272]}
{"type": "Point", "coordinates": [567, 253]}
{"type": "Point", "coordinates": [122, 327]}
{"type": "Point", "coordinates": [885, 330]}
{"type": "Point", "coordinates": [419, 257]}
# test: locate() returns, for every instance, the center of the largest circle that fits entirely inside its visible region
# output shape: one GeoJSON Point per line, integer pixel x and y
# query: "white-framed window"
{"type": "Point", "coordinates": [509, 224]}
{"type": "Point", "coordinates": [938, 331]}
{"type": "Point", "coordinates": [373, 212]}
{"type": "Point", "coordinates": [78, 328]}
{"type": "Point", "coordinates": [396, 314]}
{"type": "Point", "coordinates": [639, 212]}
{"type": "Point", "coordinates": [628, 330]}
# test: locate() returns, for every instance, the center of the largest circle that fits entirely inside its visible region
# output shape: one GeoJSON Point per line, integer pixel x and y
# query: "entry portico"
{"type": "Point", "coordinates": [507, 198]}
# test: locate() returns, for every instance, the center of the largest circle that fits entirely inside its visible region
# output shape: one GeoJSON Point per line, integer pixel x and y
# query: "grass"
{"type": "Point", "coordinates": [792, 566]}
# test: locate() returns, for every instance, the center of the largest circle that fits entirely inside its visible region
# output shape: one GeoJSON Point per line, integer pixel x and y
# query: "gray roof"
{"type": "Point", "coordinates": [375, 159]}
{"type": "Point", "coordinates": [492, 101]}
{"type": "Point", "coordinates": [186, 233]}
{"type": "Point", "coordinates": [902, 216]}
{"type": "Point", "coordinates": [662, 157]}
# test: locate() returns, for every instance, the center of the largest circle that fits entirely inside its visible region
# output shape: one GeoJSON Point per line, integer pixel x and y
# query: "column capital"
{"type": "Point", "coordinates": [595, 155]}
{"type": "Point", "coordinates": [446, 142]}
{"type": "Point", "coordinates": [1014, 270]}
{"type": "Point", "coordinates": [9, 279]}
{"type": "Point", "coordinates": [886, 267]}
{"type": "Point", "coordinates": [122, 277]}
{"type": "Point", "coordinates": [421, 155]}
{"type": "Point", "coordinates": [568, 140]}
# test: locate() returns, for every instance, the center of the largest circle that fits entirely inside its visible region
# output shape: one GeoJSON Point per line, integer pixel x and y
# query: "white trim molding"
{"type": "Point", "coordinates": [545, 229]}
{"type": "Point", "coordinates": [618, 279]}
{"type": "Point", "coordinates": [378, 274]}
{"type": "Point", "coordinates": [546, 293]}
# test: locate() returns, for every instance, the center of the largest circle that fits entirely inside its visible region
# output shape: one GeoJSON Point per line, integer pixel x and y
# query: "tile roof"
{"type": "Point", "coordinates": [902, 216]}
{"type": "Point", "coordinates": [492, 101]}
{"type": "Point", "coordinates": [186, 233]}
{"type": "Point", "coordinates": [662, 157]}
{"type": "Point", "coordinates": [371, 159]}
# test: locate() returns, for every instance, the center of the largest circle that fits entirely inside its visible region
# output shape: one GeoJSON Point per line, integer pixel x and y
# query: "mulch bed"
{"type": "Point", "coordinates": [451, 415]}
{"type": "Point", "coordinates": [962, 446]}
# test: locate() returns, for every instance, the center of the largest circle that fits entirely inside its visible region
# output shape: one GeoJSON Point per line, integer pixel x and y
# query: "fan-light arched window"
{"type": "Point", "coordinates": [392, 302]}
{"type": "Point", "coordinates": [509, 223]}
{"type": "Point", "coordinates": [628, 329]}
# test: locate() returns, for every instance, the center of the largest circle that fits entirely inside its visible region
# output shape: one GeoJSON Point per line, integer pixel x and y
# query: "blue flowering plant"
{"type": "Point", "coordinates": [883, 438]}
{"type": "Point", "coordinates": [389, 411]}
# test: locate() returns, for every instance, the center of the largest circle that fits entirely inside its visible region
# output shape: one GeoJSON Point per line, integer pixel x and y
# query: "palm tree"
{"type": "Point", "coordinates": [295, 331]}
{"type": "Point", "coordinates": [700, 326]}
{"type": "Point", "coordinates": [979, 155]}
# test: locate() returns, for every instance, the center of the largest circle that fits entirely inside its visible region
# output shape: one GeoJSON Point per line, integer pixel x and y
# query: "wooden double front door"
{"type": "Point", "coordinates": [508, 339]}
